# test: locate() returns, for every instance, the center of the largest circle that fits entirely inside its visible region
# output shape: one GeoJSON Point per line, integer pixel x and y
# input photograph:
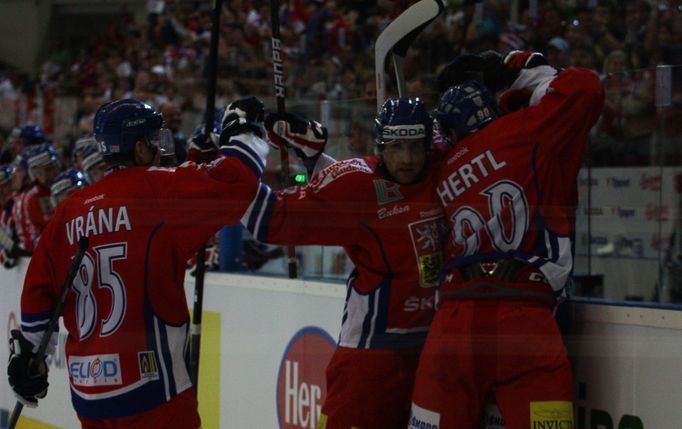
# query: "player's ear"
{"type": "Point", "coordinates": [141, 152]}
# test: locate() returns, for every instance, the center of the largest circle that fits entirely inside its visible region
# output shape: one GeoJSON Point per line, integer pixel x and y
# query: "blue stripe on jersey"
{"type": "Point", "coordinates": [36, 322]}
{"type": "Point", "coordinates": [367, 323]}
{"type": "Point", "coordinates": [30, 318]}
{"type": "Point", "coordinates": [159, 395]}
{"type": "Point", "coordinates": [34, 328]}
{"type": "Point", "coordinates": [384, 340]}
{"type": "Point", "coordinates": [349, 287]}
{"type": "Point", "coordinates": [136, 401]}
{"type": "Point", "coordinates": [248, 150]}
{"type": "Point", "coordinates": [261, 214]}
{"type": "Point", "coordinates": [383, 294]}
{"type": "Point", "coordinates": [245, 154]}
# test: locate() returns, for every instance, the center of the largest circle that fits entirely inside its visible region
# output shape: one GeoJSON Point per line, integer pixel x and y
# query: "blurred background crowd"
{"type": "Point", "coordinates": [329, 53]}
{"type": "Point", "coordinates": [329, 61]}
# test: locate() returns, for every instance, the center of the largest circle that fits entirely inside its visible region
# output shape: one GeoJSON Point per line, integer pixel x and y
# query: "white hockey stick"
{"type": "Point", "coordinates": [396, 38]}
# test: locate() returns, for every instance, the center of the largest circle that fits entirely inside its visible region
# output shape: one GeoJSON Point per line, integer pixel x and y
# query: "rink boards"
{"type": "Point", "coordinates": [266, 341]}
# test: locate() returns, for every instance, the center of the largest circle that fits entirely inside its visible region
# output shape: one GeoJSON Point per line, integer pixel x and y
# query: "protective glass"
{"type": "Point", "coordinates": [163, 140]}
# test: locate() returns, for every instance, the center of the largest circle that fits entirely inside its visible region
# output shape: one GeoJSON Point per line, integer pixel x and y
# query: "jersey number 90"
{"type": "Point", "coordinates": [504, 197]}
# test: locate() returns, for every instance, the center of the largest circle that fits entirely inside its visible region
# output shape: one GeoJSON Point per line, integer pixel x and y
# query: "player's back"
{"type": "Point", "coordinates": [508, 189]}
{"type": "Point", "coordinates": [128, 316]}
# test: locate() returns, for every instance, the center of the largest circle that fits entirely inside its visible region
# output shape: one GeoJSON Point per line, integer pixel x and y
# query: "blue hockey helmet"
{"type": "Point", "coordinates": [6, 172]}
{"type": "Point", "coordinates": [91, 158]}
{"type": "Point", "coordinates": [403, 119]}
{"type": "Point", "coordinates": [93, 164]}
{"type": "Point", "coordinates": [65, 184]}
{"type": "Point", "coordinates": [83, 144]}
{"type": "Point", "coordinates": [119, 124]}
{"type": "Point", "coordinates": [466, 108]}
{"type": "Point", "coordinates": [32, 134]}
{"type": "Point", "coordinates": [39, 155]}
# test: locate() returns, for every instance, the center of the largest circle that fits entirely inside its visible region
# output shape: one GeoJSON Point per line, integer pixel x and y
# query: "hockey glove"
{"type": "Point", "coordinates": [487, 67]}
{"type": "Point", "coordinates": [242, 116]}
{"type": "Point", "coordinates": [516, 61]}
{"type": "Point", "coordinates": [27, 378]}
{"type": "Point", "coordinates": [308, 138]}
{"type": "Point", "coordinates": [524, 83]}
{"type": "Point", "coordinates": [202, 148]}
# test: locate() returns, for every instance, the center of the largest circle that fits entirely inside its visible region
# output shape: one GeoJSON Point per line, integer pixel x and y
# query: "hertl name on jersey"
{"type": "Point", "coordinates": [110, 219]}
{"type": "Point", "coordinates": [467, 174]}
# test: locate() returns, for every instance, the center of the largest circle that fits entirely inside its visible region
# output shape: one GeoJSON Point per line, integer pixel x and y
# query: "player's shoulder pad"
{"type": "Point", "coordinates": [350, 172]}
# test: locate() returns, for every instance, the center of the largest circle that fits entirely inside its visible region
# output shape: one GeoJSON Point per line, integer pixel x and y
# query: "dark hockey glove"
{"type": "Point", "coordinates": [242, 116]}
{"type": "Point", "coordinates": [487, 67]}
{"type": "Point", "coordinates": [308, 138]}
{"type": "Point", "coordinates": [202, 148]}
{"type": "Point", "coordinates": [27, 379]}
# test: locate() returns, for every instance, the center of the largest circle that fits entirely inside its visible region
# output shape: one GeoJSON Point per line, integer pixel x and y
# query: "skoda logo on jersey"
{"type": "Point", "coordinates": [403, 132]}
{"type": "Point", "coordinates": [301, 386]}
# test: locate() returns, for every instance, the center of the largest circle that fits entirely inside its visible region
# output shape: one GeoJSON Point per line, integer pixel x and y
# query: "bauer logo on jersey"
{"type": "Point", "coordinates": [426, 241]}
{"type": "Point", "coordinates": [148, 367]}
{"type": "Point", "coordinates": [403, 132]}
{"type": "Point", "coordinates": [95, 370]}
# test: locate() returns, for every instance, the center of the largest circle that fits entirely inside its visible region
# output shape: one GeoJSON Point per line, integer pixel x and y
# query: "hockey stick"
{"type": "Point", "coordinates": [200, 270]}
{"type": "Point", "coordinates": [83, 244]}
{"type": "Point", "coordinates": [396, 38]}
{"type": "Point", "coordinates": [278, 75]}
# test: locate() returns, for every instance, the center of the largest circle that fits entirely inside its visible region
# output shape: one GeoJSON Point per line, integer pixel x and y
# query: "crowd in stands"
{"type": "Point", "coordinates": [328, 47]}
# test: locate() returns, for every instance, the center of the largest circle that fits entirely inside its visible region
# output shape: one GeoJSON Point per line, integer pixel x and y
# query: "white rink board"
{"type": "Point", "coordinates": [259, 316]}
{"type": "Point", "coordinates": [626, 358]}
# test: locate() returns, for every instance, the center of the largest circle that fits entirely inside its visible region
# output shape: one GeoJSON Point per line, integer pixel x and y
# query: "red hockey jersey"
{"type": "Point", "coordinates": [510, 189]}
{"type": "Point", "coordinates": [37, 212]}
{"type": "Point", "coordinates": [391, 232]}
{"type": "Point", "coordinates": [127, 317]}
{"type": "Point", "coordinates": [20, 220]}
{"type": "Point", "coordinates": [8, 236]}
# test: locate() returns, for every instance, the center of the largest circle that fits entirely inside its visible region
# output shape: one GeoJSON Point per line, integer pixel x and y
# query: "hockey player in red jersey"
{"type": "Point", "coordinates": [9, 248]}
{"type": "Point", "coordinates": [508, 187]}
{"type": "Point", "coordinates": [383, 211]}
{"type": "Point", "coordinates": [127, 316]}
{"type": "Point", "coordinates": [43, 166]}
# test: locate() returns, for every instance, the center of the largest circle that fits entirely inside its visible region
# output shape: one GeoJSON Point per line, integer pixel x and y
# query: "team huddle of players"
{"type": "Point", "coordinates": [476, 200]}
{"type": "Point", "coordinates": [34, 184]}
